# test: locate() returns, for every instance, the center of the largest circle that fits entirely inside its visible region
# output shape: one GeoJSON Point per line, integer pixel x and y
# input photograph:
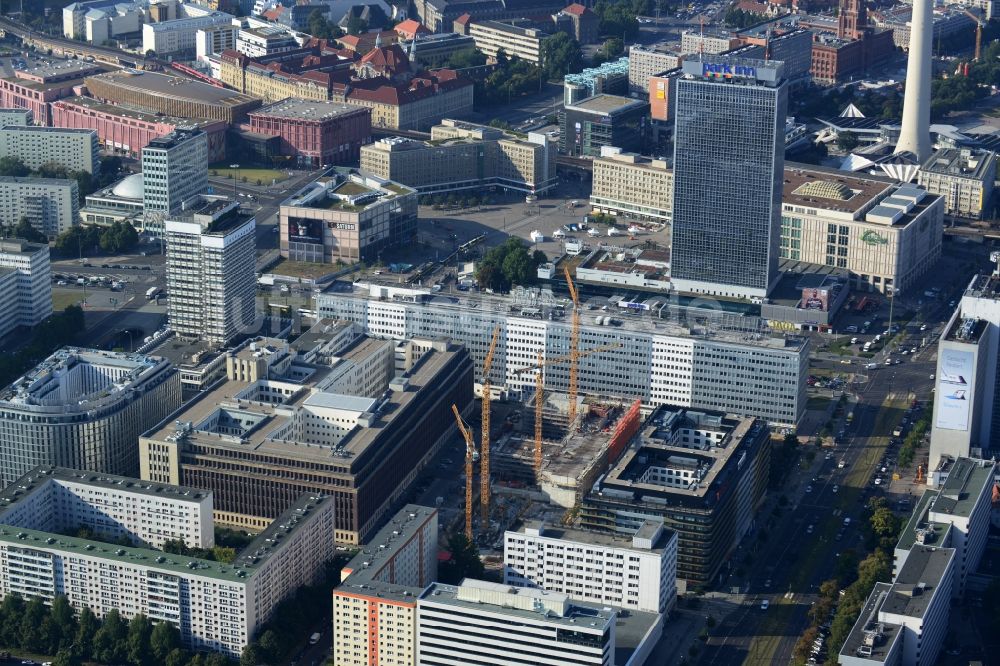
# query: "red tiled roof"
{"type": "Point", "coordinates": [577, 9]}
{"type": "Point", "coordinates": [380, 91]}
{"type": "Point", "coordinates": [409, 28]}
{"type": "Point", "coordinates": [463, 19]}
{"type": "Point", "coordinates": [390, 59]}
{"type": "Point", "coordinates": [273, 14]}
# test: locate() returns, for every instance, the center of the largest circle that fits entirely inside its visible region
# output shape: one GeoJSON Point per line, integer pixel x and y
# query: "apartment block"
{"type": "Point", "coordinates": [707, 42]}
{"type": "Point", "coordinates": [633, 186]}
{"type": "Point", "coordinates": [515, 38]}
{"type": "Point", "coordinates": [647, 61]}
{"type": "Point", "coordinates": [964, 178]}
{"type": "Point", "coordinates": [31, 283]}
{"type": "Point", "coordinates": [347, 216]}
{"type": "Point", "coordinates": [740, 369]}
{"type": "Point", "coordinates": [211, 270]}
{"type": "Point", "coordinates": [375, 606]}
{"type": "Point", "coordinates": [259, 445]}
{"type": "Point", "coordinates": [463, 156]}
{"type": "Point", "coordinates": [955, 513]}
{"type": "Point", "coordinates": [215, 606]}
{"type": "Point", "coordinates": [88, 406]}
{"type": "Point", "coordinates": [479, 622]}
{"type": "Point", "coordinates": [52, 205]}
{"type": "Point", "coordinates": [886, 234]}
{"type": "Point", "coordinates": [73, 149]}
{"type": "Point", "coordinates": [16, 116]}
{"type": "Point", "coordinates": [703, 473]}
{"type": "Point", "coordinates": [637, 573]}
{"type": "Point", "coordinates": [905, 622]}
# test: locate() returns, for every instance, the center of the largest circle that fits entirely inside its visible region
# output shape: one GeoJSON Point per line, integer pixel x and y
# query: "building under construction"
{"type": "Point", "coordinates": [572, 459]}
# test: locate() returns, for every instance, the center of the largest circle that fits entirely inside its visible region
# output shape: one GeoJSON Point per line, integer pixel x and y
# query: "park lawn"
{"type": "Point", "coordinates": [302, 269]}
{"type": "Point", "coordinates": [63, 299]}
{"type": "Point", "coordinates": [252, 174]}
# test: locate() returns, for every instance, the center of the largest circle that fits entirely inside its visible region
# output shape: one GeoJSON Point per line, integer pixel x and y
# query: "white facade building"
{"type": "Point", "coordinates": [264, 41]}
{"type": "Point", "coordinates": [638, 573]}
{"type": "Point", "coordinates": [84, 409]}
{"type": "Point", "coordinates": [179, 35]}
{"type": "Point", "coordinates": [658, 360]}
{"type": "Point", "coordinates": [16, 116]}
{"type": "Point", "coordinates": [209, 41]}
{"type": "Point", "coordinates": [965, 179]}
{"type": "Point", "coordinates": [211, 279]}
{"type": "Point", "coordinates": [74, 149]}
{"type": "Point", "coordinates": [479, 623]}
{"type": "Point", "coordinates": [174, 169]}
{"type": "Point", "coordinates": [52, 205]}
{"type": "Point", "coordinates": [215, 606]}
{"type": "Point", "coordinates": [32, 284]}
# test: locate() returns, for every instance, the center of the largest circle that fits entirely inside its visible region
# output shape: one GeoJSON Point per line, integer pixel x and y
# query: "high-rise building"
{"type": "Point", "coordinates": [16, 116]}
{"type": "Point", "coordinates": [32, 283]}
{"type": "Point", "coordinates": [211, 264]}
{"type": "Point", "coordinates": [84, 409]}
{"type": "Point", "coordinates": [729, 151]}
{"type": "Point", "coordinates": [52, 205]}
{"type": "Point", "coordinates": [634, 573]}
{"type": "Point", "coordinates": [74, 149]}
{"type": "Point", "coordinates": [174, 169]}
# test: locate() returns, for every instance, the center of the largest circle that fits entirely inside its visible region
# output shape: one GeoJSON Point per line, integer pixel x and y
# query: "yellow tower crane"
{"type": "Point", "coordinates": [470, 452]}
{"type": "Point", "coordinates": [540, 389]}
{"type": "Point", "coordinates": [574, 347]}
{"type": "Point", "coordinates": [484, 444]}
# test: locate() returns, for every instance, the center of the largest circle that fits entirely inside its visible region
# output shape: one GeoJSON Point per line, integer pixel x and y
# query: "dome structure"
{"type": "Point", "coordinates": [129, 187]}
{"type": "Point", "coordinates": [825, 189]}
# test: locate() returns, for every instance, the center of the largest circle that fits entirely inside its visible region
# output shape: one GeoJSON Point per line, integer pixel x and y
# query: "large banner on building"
{"type": "Point", "coordinates": [954, 392]}
{"type": "Point", "coordinates": [815, 298]}
{"type": "Point", "coordinates": [302, 230]}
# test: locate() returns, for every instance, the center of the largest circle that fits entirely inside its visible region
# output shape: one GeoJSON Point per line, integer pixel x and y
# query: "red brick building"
{"type": "Point", "coordinates": [315, 132]}
{"type": "Point", "coordinates": [855, 49]}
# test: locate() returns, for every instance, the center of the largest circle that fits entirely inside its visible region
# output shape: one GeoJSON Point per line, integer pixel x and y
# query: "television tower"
{"type": "Point", "coordinates": [915, 135]}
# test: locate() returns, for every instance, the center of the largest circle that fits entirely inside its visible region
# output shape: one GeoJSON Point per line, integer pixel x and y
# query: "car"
{"type": "Point", "coordinates": [878, 480]}
{"type": "Point", "coordinates": [809, 489]}
{"type": "Point", "coordinates": [61, 283]}
{"type": "Point", "coordinates": [888, 361]}
{"type": "Point", "coordinates": [835, 488]}
{"type": "Point", "coordinates": [923, 327]}
{"type": "Point", "coordinates": [841, 464]}
{"type": "Point", "coordinates": [932, 376]}
{"type": "Point", "coordinates": [105, 266]}
{"type": "Point", "coordinates": [764, 604]}
{"type": "Point", "coordinates": [905, 352]}
{"type": "Point", "coordinates": [851, 329]}
{"type": "Point", "coordinates": [913, 350]}
{"type": "Point", "coordinates": [809, 529]}
{"type": "Point", "coordinates": [854, 340]}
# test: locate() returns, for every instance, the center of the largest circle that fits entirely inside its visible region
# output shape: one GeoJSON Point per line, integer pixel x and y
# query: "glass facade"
{"type": "Point", "coordinates": [728, 164]}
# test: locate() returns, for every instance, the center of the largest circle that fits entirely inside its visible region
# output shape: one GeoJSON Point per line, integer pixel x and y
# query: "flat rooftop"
{"type": "Point", "coordinates": [966, 482]}
{"type": "Point", "coordinates": [48, 130]}
{"type": "Point", "coordinates": [65, 69]}
{"type": "Point", "coordinates": [607, 539]}
{"type": "Point", "coordinates": [882, 635]}
{"type": "Point", "coordinates": [39, 476]}
{"type": "Point", "coordinates": [831, 189]}
{"type": "Point", "coordinates": [919, 521]}
{"type": "Point", "coordinates": [303, 109]}
{"type": "Point", "coordinates": [606, 105]}
{"type": "Point", "coordinates": [19, 246]}
{"type": "Point", "coordinates": [135, 114]}
{"type": "Point", "coordinates": [984, 285]}
{"type": "Point", "coordinates": [921, 575]}
{"type": "Point", "coordinates": [960, 163]}
{"type": "Point", "coordinates": [967, 330]}
{"type": "Point", "coordinates": [174, 86]}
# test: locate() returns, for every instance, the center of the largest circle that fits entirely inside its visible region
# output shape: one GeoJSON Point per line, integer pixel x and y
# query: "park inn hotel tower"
{"type": "Point", "coordinates": [728, 162]}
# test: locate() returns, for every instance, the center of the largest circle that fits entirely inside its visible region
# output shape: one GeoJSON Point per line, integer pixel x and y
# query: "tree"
{"type": "Point", "coordinates": [847, 141]}
{"type": "Point", "coordinates": [32, 638]}
{"type": "Point", "coordinates": [163, 640]}
{"type": "Point", "coordinates": [175, 657]}
{"type": "Point", "coordinates": [464, 58]}
{"type": "Point", "coordinates": [271, 646]}
{"type": "Point", "coordinates": [65, 657]}
{"type": "Point", "coordinates": [216, 659]}
{"type": "Point", "coordinates": [356, 25]}
{"type": "Point", "coordinates": [110, 639]}
{"type": "Point", "coordinates": [322, 28]}
{"type": "Point", "coordinates": [87, 627]}
{"type": "Point", "coordinates": [251, 655]}
{"type": "Point", "coordinates": [27, 231]}
{"type": "Point", "coordinates": [13, 166]}
{"type": "Point", "coordinates": [464, 562]}
{"type": "Point", "coordinates": [11, 612]}
{"type": "Point", "coordinates": [560, 55]}
{"type": "Point", "coordinates": [139, 629]}
{"type": "Point", "coordinates": [63, 624]}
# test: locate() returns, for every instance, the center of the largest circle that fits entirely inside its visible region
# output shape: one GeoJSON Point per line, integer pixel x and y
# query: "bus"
{"type": "Point", "coordinates": [153, 292]}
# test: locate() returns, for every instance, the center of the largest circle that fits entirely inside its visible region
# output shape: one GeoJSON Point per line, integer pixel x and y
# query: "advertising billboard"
{"type": "Point", "coordinates": [302, 230]}
{"type": "Point", "coordinates": [954, 391]}
{"type": "Point", "coordinates": [814, 298]}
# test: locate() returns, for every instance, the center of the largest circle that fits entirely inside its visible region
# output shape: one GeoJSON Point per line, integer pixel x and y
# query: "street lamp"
{"type": "Point", "coordinates": [892, 301]}
{"type": "Point", "coordinates": [236, 177]}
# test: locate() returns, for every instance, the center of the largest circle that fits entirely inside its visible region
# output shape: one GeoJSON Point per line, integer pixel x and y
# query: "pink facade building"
{"type": "Point", "coordinates": [35, 96]}
{"type": "Point", "coordinates": [127, 132]}
{"type": "Point", "coordinates": [315, 132]}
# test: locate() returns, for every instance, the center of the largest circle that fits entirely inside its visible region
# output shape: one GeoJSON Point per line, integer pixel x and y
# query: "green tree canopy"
{"type": "Point", "coordinates": [508, 264]}
{"type": "Point", "coordinates": [25, 230]}
{"type": "Point", "coordinates": [13, 166]}
{"type": "Point", "coordinates": [847, 141]}
{"type": "Point", "coordinates": [560, 55]}
{"type": "Point", "coordinates": [464, 563]}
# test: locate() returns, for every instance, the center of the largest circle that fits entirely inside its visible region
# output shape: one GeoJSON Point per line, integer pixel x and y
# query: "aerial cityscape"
{"type": "Point", "coordinates": [499, 333]}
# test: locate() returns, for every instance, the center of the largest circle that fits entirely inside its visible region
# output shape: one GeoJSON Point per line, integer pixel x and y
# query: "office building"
{"type": "Point", "coordinates": [153, 92]}
{"type": "Point", "coordinates": [436, 50]}
{"type": "Point", "coordinates": [964, 178]}
{"type": "Point", "coordinates": [264, 41]}
{"type": "Point", "coordinates": [660, 360]}
{"type": "Point", "coordinates": [632, 186]}
{"type": "Point", "coordinates": [259, 444]}
{"type": "Point", "coordinates": [439, 15]}
{"type": "Point", "coordinates": [663, 100]}
{"type": "Point", "coordinates": [126, 132]}
{"type": "Point", "coordinates": [214, 40]}
{"type": "Point", "coordinates": [52, 205]}
{"type": "Point", "coordinates": [948, 23]}
{"type": "Point", "coordinates": [701, 474]}
{"type": "Point", "coordinates": [211, 270]}
{"type": "Point", "coordinates": [174, 170]}
{"type": "Point", "coordinates": [954, 514]}
{"type": "Point", "coordinates": [785, 42]}
{"type": "Point", "coordinates": [647, 61]}
{"type": "Point", "coordinates": [462, 156]}
{"type": "Point", "coordinates": [73, 149]}
{"type": "Point", "coordinates": [347, 216]}
{"type": "Point", "coordinates": [88, 407]}
{"type": "Point", "coordinates": [100, 21]}
{"type": "Point", "coordinates": [634, 573]}
{"type": "Point", "coordinates": [886, 234]}
{"type": "Point", "coordinates": [516, 38]}
{"type": "Point", "coordinates": [609, 77]}
{"type": "Point", "coordinates": [16, 116]}
{"type": "Point", "coordinates": [29, 296]}
{"type": "Point", "coordinates": [706, 42]}
{"type": "Point", "coordinates": [602, 120]}
{"type": "Point", "coordinates": [729, 148]}
{"type": "Point", "coordinates": [215, 606]}
{"type": "Point", "coordinates": [479, 622]}
{"type": "Point", "coordinates": [315, 132]}
{"type": "Point", "coordinates": [176, 36]}
{"type": "Point", "coordinates": [375, 605]}
{"type": "Point", "coordinates": [905, 622]}
{"type": "Point", "coordinates": [848, 46]}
